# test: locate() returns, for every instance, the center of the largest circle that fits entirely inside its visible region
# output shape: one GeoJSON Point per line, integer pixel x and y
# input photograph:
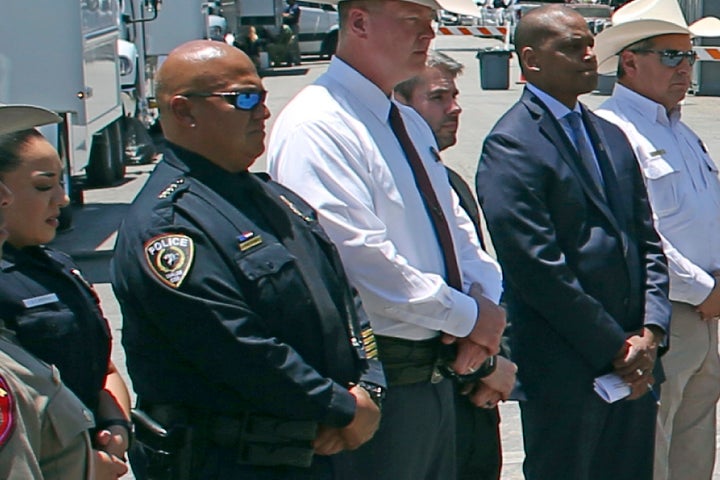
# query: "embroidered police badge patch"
{"type": "Point", "coordinates": [7, 412]}
{"type": "Point", "coordinates": [170, 257]}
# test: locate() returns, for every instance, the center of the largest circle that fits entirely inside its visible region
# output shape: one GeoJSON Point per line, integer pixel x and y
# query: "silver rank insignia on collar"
{"type": "Point", "coordinates": [170, 257]}
{"type": "Point", "coordinates": [171, 188]}
{"type": "Point", "coordinates": [247, 240]}
{"type": "Point", "coordinates": [295, 210]}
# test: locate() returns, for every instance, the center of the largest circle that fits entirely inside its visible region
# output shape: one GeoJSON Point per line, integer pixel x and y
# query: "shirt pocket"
{"type": "Point", "coordinates": [663, 184]}
{"type": "Point", "coordinates": [68, 418]}
{"type": "Point", "coordinates": [270, 273]}
{"type": "Point", "coordinates": [51, 334]}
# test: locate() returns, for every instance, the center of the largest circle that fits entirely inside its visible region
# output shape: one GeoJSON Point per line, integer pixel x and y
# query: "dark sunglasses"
{"type": "Point", "coordinates": [240, 100]}
{"type": "Point", "coordinates": [671, 58]}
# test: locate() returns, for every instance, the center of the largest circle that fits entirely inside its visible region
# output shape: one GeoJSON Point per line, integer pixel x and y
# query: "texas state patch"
{"type": "Point", "coordinates": [170, 257]}
{"type": "Point", "coordinates": [7, 412]}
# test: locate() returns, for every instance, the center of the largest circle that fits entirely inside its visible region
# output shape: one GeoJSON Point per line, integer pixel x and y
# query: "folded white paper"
{"type": "Point", "coordinates": [611, 387]}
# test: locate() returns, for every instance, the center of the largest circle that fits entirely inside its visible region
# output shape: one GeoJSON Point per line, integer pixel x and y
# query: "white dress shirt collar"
{"type": "Point", "coordinates": [558, 109]}
{"type": "Point", "coordinates": [649, 109]}
{"type": "Point", "coordinates": [362, 88]}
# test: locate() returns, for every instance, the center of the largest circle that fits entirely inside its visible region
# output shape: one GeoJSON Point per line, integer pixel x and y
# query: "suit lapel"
{"type": "Point", "coordinates": [551, 128]}
{"type": "Point", "coordinates": [612, 189]}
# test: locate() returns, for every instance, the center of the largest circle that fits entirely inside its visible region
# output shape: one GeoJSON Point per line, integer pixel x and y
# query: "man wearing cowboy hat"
{"type": "Point", "coordinates": [585, 277]}
{"type": "Point", "coordinates": [650, 43]}
{"type": "Point", "coordinates": [369, 166]}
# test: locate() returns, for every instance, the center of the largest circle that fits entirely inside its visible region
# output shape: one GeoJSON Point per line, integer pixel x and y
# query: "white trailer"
{"type": "Point", "coordinates": [62, 55]}
{"type": "Point", "coordinates": [93, 62]}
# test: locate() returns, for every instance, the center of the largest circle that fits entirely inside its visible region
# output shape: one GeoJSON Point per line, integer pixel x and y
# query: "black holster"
{"type": "Point", "coordinates": [165, 451]}
{"type": "Point", "coordinates": [175, 440]}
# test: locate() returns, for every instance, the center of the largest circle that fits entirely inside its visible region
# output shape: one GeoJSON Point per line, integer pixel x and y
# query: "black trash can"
{"type": "Point", "coordinates": [494, 68]}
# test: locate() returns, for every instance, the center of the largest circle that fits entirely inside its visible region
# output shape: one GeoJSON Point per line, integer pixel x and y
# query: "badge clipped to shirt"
{"type": "Point", "coordinates": [41, 300]}
{"type": "Point", "coordinates": [7, 412]}
{"type": "Point", "coordinates": [170, 257]}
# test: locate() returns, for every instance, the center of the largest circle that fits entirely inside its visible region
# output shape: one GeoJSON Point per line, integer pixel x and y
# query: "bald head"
{"type": "Point", "coordinates": [194, 117]}
{"type": "Point", "coordinates": [541, 23]}
{"type": "Point", "coordinates": [198, 66]}
{"type": "Point", "coordinates": [555, 48]}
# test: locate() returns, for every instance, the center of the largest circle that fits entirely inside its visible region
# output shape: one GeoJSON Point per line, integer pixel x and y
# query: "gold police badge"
{"type": "Point", "coordinates": [170, 257]}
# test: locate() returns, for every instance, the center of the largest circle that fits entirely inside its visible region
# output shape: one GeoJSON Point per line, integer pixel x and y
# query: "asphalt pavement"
{"type": "Point", "coordinates": [92, 238]}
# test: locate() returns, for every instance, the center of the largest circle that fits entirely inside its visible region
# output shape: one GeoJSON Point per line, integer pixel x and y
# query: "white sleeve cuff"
{"type": "Point", "coordinates": [463, 316]}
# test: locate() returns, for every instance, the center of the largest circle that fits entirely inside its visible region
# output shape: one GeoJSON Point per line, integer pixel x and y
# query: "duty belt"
{"type": "Point", "coordinates": [409, 361]}
{"type": "Point", "coordinates": [257, 439]}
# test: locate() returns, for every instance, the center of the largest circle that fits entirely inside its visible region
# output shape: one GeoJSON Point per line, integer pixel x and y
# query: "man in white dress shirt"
{"type": "Point", "coordinates": [334, 145]}
{"type": "Point", "coordinates": [654, 74]}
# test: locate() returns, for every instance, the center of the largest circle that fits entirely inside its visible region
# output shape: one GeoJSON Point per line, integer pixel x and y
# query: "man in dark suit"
{"type": "Point", "coordinates": [586, 279]}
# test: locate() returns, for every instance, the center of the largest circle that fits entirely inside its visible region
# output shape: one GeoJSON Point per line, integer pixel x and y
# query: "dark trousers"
{"type": "Point", "coordinates": [588, 439]}
{"type": "Point", "coordinates": [478, 441]}
{"type": "Point", "coordinates": [415, 441]}
{"type": "Point", "coordinates": [220, 465]}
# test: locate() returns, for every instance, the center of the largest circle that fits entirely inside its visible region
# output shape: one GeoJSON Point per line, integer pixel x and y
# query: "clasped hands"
{"type": "Point", "coordinates": [482, 342]}
{"type": "Point", "coordinates": [635, 361]}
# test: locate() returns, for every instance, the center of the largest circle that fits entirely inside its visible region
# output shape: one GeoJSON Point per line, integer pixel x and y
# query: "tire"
{"type": "Point", "coordinates": [118, 146]}
{"type": "Point", "coordinates": [107, 158]}
{"type": "Point", "coordinates": [329, 45]}
{"type": "Point", "coordinates": [138, 144]}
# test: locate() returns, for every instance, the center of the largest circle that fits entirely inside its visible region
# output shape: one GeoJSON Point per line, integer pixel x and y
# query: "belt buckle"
{"type": "Point", "coordinates": [436, 376]}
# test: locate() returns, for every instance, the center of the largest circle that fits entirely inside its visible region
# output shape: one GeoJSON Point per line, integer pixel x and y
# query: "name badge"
{"type": "Point", "coordinates": [41, 300]}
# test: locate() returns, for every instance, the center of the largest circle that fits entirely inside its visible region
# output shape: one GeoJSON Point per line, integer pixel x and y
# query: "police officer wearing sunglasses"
{"type": "Point", "coordinates": [250, 353]}
{"type": "Point", "coordinates": [654, 74]}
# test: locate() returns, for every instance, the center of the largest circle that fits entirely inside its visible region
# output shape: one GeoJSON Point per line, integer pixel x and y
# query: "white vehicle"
{"type": "Point", "coordinates": [318, 28]}
{"type": "Point", "coordinates": [318, 22]}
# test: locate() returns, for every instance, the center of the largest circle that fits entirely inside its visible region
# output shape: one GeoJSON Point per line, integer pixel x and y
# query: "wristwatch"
{"type": "Point", "coordinates": [376, 392]}
{"type": "Point", "coordinates": [483, 371]}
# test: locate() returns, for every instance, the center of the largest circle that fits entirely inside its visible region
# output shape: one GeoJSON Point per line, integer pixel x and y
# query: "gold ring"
{"type": "Point", "coordinates": [471, 370]}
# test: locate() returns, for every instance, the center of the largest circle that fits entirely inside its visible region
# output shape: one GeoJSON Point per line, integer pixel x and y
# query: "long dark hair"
{"type": "Point", "coordinates": [10, 146]}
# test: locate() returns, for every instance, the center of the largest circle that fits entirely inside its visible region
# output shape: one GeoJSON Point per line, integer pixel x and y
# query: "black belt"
{"type": "Point", "coordinates": [257, 439]}
{"type": "Point", "coordinates": [409, 361]}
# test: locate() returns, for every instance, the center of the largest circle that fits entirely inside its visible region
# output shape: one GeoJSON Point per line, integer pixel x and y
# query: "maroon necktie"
{"type": "Point", "coordinates": [442, 231]}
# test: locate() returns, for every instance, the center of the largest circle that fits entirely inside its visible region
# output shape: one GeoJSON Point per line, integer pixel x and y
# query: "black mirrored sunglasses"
{"type": "Point", "coordinates": [671, 58]}
{"type": "Point", "coordinates": [240, 100]}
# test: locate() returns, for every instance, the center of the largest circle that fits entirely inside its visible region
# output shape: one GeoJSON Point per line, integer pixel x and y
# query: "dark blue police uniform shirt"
{"type": "Point", "coordinates": [56, 316]}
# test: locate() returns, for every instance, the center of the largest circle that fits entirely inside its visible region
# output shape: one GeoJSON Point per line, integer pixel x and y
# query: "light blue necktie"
{"type": "Point", "coordinates": [584, 148]}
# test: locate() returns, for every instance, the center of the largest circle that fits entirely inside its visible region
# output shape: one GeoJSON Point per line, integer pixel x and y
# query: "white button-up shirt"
{"type": "Point", "coordinates": [683, 188]}
{"type": "Point", "coordinates": [333, 145]}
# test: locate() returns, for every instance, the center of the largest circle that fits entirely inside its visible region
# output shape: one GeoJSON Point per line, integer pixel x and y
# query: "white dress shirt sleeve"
{"type": "Point", "coordinates": [328, 165]}
{"type": "Point", "coordinates": [688, 282]}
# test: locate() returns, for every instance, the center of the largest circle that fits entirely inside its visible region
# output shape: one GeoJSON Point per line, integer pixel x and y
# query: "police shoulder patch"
{"type": "Point", "coordinates": [170, 257]}
{"type": "Point", "coordinates": [7, 412]}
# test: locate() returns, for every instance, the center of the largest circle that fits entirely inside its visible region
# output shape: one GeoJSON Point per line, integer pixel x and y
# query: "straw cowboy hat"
{"type": "Point", "coordinates": [14, 118]}
{"type": "Point", "coordinates": [463, 7]}
{"type": "Point", "coordinates": [642, 19]}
